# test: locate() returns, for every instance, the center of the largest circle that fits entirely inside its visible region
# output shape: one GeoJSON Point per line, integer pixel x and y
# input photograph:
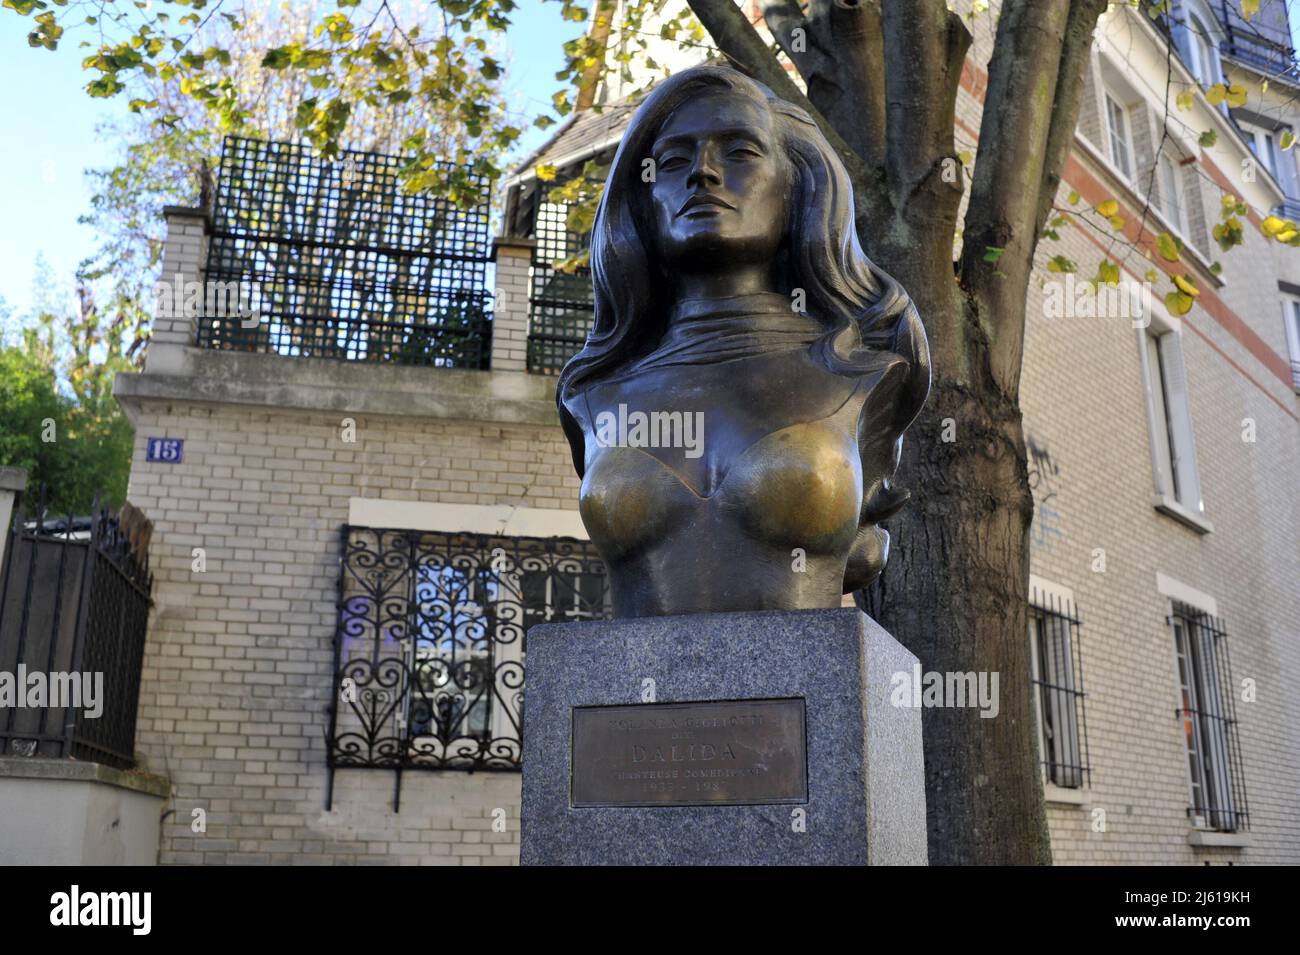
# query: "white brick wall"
{"type": "Point", "coordinates": [514, 259]}
{"type": "Point", "coordinates": [238, 665]}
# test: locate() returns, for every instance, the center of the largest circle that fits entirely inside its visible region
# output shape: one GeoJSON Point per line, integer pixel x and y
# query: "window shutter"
{"type": "Point", "coordinates": [1180, 422]}
{"type": "Point", "coordinates": [1161, 463]}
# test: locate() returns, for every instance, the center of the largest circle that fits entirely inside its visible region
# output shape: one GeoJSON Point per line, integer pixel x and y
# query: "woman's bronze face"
{"type": "Point", "coordinates": [720, 190]}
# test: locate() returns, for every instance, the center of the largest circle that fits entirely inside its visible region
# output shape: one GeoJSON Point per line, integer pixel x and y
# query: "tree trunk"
{"type": "Point", "coordinates": [882, 79]}
{"type": "Point", "coordinates": [971, 519]}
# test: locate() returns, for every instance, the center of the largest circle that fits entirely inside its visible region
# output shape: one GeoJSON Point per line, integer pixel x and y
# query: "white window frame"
{"type": "Point", "coordinates": [1119, 138]}
{"type": "Point", "coordinates": [1173, 197]}
{"type": "Point", "coordinates": [1291, 327]}
{"type": "Point", "coordinates": [1266, 146]}
{"type": "Point", "coordinates": [1169, 421]}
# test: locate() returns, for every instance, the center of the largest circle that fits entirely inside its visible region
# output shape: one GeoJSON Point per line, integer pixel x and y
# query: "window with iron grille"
{"type": "Point", "coordinates": [1057, 666]}
{"type": "Point", "coordinates": [432, 638]}
{"type": "Point", "coordinates": [1208, 721]}
{"type": "Point", "coordinates": [339, 261]}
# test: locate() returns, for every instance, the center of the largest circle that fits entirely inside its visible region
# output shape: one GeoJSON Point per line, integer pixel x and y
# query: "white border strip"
{"type": "Point", "coordinates": [1185, 594]}
{"type": "Point", "coordinates": [1046, 588]}
{"type": "Point", "coordinates": [504, 519]}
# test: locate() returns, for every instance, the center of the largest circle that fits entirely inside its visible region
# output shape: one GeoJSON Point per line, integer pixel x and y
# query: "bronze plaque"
{"type": "Point", "coordinates": [729, 753]}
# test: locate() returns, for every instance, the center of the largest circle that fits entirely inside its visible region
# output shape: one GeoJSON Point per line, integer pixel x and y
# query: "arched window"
{"type": "Point", "coordinates": [1197, 37]}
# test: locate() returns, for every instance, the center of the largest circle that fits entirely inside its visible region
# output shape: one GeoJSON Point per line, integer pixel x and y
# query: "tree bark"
{"type": "Point", "coordinates": [883, 75]}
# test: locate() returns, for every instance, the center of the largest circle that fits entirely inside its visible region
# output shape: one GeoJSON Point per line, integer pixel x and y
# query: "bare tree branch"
{"type": "Point", "coordinates": [1013, 167]}
{"type": "Point", "coordinates": [923, 61]}
{"type": "Point", "coordinates": [783, 18]}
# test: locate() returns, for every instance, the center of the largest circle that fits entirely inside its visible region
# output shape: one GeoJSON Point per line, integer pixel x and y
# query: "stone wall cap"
{"type": "Point", "coordinates": [192, 211]}
{"type": "Point", "coordinates": [13, 479]}
{"type": "Point", "coordinates": [76, 770]}
{"type": "Point", "coordinates": [324, 386]}
{"type": "Point", "coordinates": [512, 242]}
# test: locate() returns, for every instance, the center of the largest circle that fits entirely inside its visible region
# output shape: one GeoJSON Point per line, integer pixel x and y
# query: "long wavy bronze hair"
{"type": "Point", "coordinates": [866, 313]}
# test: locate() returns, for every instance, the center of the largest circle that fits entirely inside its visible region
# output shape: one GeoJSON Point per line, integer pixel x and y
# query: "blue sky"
{"type": "Point", "coordinates": [49, 138]}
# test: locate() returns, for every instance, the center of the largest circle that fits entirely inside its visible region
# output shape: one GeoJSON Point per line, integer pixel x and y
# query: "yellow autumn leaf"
{"type": "Point", "coordinates": [1186, 286]}
{"type": "Point", "coordinates": [1108, 273]}
{"type": "Point", "coordinates": [1117, 222]}
{"type": "Point", "coordinates": [1216, 94]}
{"type": "Point", "coordinates": [1236, 96]}
{"type": "Point", "coordinates": [1272, 225]}
{"type": "Point", "coordinates": [1185, 99]}
{"type": "Point", "coordinates": [1152, 277]}
{"type": "Point", "coordinates": [1167, 246]}
{"type": "Point", "coordinates": [1287, 236]}
{"type": "Point", "coordinates": [1249, 8]}
{"type": "Point", "coordinates": [1178, 303]}
{"type": "Point", "coordinates": [1108, 208]}
{"type": "Point", "coordinates": [546, 172]}
{"type": "Point", "coordinates": [1072, 198]}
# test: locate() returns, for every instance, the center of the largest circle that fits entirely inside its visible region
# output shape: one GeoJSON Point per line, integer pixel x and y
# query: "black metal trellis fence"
{"type": "Point", "coordinates": [431, 642]}
{"type": "Point", "coordinates": [332, 259]}
{"type": "Point", "coordinates": [560, 303]}
{"type": "Point", "coordinates": [74, 605]}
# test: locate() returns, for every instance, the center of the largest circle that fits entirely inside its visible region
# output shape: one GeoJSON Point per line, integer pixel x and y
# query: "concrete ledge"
{"type": "Point", "coordinates": [321, 385]}
{"type": "Point", "coordinates": [1062, 796]}
{"type": "Point", "coordinates": [75, 770]}
{"type": "Point", "coordinates": [1218, 840]}
{"type": "Point", "coordinates": [13, 479]}
{"type": "Point", "coordinates": [69, 812]}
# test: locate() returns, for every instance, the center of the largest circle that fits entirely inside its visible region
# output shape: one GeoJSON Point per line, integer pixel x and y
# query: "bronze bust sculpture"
{"type": "Point", "coordinates": [737, 412]}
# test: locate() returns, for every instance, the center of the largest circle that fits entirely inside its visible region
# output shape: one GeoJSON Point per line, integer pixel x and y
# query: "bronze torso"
{"type": "Point", "coordinates": [763, 518]}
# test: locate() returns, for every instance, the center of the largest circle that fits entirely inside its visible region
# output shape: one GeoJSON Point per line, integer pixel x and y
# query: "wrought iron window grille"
{"type": "Point", "coordinates": [1208, 718]}
{"type": "Point", "coordinates": [431, 642]}
{"type": "Point", "coordinates": [1056, 647]}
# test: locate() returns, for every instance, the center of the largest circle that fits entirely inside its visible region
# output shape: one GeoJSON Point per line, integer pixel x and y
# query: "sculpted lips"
{"type": "Point", "coordinates": [703, 200]}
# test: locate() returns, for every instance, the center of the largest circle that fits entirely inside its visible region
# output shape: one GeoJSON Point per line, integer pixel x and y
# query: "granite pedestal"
{"type": "Point", "coordinates": [810, 763]}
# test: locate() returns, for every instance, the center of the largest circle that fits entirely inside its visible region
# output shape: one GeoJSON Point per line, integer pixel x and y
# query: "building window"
{"type": "Point", "coordinates": [1207, 721]}
{"type": "Point", "coordinates": [1266, 144]}
{"type": "Point", "coordinates": [1057, 669]}
{"type": "Point", "coordinates": [1291, 320]}
{"type": "Point", "coordinates": [1173, 451]}
{"type": "Point", "coordinates": [431, 642]}
{"type": "Point", "coordinates": [1121, 141]}
{"type": "Point", "coordinates": [1200, 48]}
{"type": "Point", "coordinates": [1171, 194]}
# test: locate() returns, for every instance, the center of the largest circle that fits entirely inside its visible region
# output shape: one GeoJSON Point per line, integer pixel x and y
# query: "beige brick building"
{"type": "Point", "coordinates": [1166, 544]}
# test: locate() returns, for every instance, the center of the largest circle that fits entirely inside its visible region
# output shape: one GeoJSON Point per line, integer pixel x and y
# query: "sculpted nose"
{"type": "Point", "coordinates": [704, 171]}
